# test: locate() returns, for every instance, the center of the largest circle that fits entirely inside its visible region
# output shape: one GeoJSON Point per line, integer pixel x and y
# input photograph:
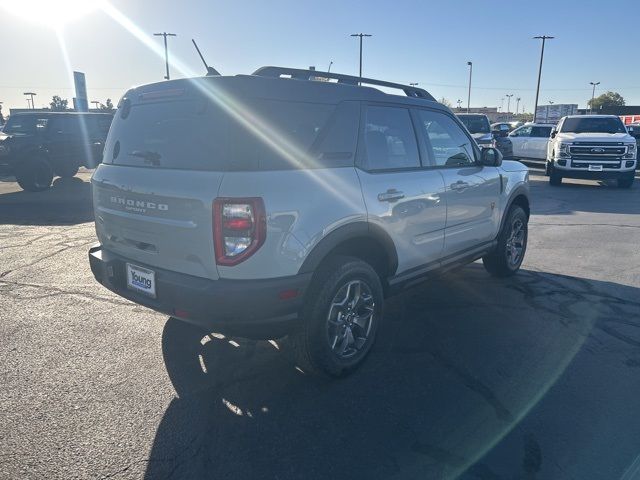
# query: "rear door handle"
{"type": "Point", "coordinates": [459, 185]}
{"type": "Point", "coordinates": [391, 195]}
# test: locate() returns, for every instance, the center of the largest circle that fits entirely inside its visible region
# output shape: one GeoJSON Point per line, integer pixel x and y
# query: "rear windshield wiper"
{"type": "Point", "coordinates": [149, 156]}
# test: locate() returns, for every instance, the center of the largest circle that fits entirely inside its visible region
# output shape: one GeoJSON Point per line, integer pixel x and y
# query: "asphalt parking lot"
{"type": "Point", "coordinates": [534, 377]}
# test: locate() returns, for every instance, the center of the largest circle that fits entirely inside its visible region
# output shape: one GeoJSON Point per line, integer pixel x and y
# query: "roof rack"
{"type": "Point", "coordinates": [300, 74]}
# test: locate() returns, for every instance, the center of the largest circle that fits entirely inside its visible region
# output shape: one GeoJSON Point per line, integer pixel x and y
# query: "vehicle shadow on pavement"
{"type": "Point", "coordinates": [594, 197]}
{"type": "Point", "coordinates": [459, 363]}
{"type": "Point", "coordinates": [67, 202]}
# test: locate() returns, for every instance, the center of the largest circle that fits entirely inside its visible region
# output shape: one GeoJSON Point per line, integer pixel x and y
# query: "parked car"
{"type": "Point", "coordinates": [478, 126]}
{"type": "Point", "coordinates": [634, 130]}
{"type": "Point", "coordinates": [504, 145]}
{"type": "Point", "coordinates": [270, 204]}
{"type": "Point", "coordinates": [593, 147]}
{"type": "Point", "coordinates": [501, 129]}
{"type": "Point", "coordinates": [530, 141]}
{"type": "Point", "coordinates": [36, 146]}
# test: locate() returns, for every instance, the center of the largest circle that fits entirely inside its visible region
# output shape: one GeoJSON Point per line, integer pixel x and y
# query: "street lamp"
{"type": "Point", "coordinates": [31, 94]}
{"type": "Point", "coordinates": [544, 38]}
{"type": "Point", "coordinates": [459, 102]}
{"type": "Point", "coordinates": [414, 84]}
{"type": "Point", "coordinates": [550, 102]}
{"type": "Point", "coordinates": [509, 95]}
{"type": "Point", "coordinates": [166, 50]}
{"type": "Point", "coordinates": [329, 69]}
{"type": "Point", "coordinates": [361, 35]}
{"type": "Point", "coordinates": [517, 104]}
{"type": "Point", "coordinates": [96, 103]}
{"type": "Point", "coordinates": [593, 94]}
{"type": "Point", "coordinates": [469, 94]}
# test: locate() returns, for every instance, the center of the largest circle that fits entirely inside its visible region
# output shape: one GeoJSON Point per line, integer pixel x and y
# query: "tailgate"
{"type": "Point", "coordinates": [158, 217]}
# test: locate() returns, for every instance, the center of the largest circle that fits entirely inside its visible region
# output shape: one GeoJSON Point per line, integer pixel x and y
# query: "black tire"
{"type": "Point", "coordinates": [34, 175]}
{"type": "Point", "coordinates": [625, 182]}
{"type": "Point", "coordinates": [65, 168]}
{"type": "Point", "coordinates": [555, 178]}
{"type": "Point", "coordinates": [312, 348]}
{"type": "Point", "coordinates": [502, 262]}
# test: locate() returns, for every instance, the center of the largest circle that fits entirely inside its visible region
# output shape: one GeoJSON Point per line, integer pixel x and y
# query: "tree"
{"type": "Point", "coordinates": [59, 104]}
{"type": "Point", "coordinates": [445, 102]}
{"type": "Point", "coordinates": [106, 106]}
{"type": "Point", "coordinates": [609, 99]}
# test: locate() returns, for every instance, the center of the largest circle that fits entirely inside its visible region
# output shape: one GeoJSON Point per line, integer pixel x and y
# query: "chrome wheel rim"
{"type": "Point", "coordinates": [516, 242]}
{"type": "Point", "coordinates": [350, 318]}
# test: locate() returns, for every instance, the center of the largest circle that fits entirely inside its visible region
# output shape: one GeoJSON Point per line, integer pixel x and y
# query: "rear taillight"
{"type": "Point", "coordinates": [239, 228]}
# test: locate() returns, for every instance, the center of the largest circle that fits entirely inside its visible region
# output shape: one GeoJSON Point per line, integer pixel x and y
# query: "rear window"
{"type": "Point", "coordinates": [256, 135]}
{"type": "Point", "coordinates": [23, 124]}
{"type": "Point", "coordinates": [476, 123]}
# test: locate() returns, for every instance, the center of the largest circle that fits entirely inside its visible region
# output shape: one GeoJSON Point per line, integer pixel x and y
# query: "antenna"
{"type": "Point", "coordinates": [210, 70]}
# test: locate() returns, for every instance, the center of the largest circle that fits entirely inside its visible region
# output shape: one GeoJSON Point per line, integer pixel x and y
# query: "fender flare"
{"type": "Point", "coordinates": [519, 190]}
{"type": "Point", "coordinates": [348, 232]}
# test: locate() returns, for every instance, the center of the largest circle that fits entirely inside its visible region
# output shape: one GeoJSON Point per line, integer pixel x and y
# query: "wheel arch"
{"type": "Point", "coordinates": [363, 240]}
{"type": "Point", "coordinates": [519, 197]}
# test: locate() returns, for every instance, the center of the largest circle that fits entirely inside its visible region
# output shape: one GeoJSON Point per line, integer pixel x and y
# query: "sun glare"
{"type": "Point", "coordinates": [53, 13]}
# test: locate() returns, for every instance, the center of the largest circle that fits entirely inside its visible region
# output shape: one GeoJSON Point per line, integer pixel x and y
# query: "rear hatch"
{"type": "Point", "coordinates": [162, 167]}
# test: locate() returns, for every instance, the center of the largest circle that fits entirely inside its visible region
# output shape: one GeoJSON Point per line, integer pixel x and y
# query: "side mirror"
{"type": "Point", "coordinates": [553, 133]}
{"type": "Point", "coordinates": [490, 157]}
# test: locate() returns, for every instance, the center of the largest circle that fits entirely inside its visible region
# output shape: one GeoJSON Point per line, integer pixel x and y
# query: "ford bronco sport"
{"type": "Point", "coordinates": [272, 204]}
{"type": "Point", "coordinates": [36, 146]}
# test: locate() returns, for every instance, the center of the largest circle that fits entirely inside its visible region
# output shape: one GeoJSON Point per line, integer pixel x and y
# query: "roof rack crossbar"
{"type": "Point", "coordinates": [300, 74]}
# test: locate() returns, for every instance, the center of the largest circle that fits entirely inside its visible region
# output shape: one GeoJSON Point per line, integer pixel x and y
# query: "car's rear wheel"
{"type": "Point", "coordinates": [34, 175]}
{"type": "Point", "coordinates": [625, 182]}
{"type": "Point", "coordinates": [506, 259]}
{"type": "Point", "coordinates": [65, 168]}
{"type": "Point", "coordinates": [343, 310]}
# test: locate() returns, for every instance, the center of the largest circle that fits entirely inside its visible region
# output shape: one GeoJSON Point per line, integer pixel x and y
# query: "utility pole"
{"type": "Point", "coordinates": [509, 95]}
{"type": "Point", "coordinates": [31, 94]}
{"type": "Point", "coordinates": [361, 35]}
{"type": "Point", "coordinates": [469, 95]}
{"type": "Point", "coordinates": [544, 38]}
{"type": "Point", "coordinates": [593, 94]}
{"type": "Point", "coordinates": [166, 50]}
{"type": "Point", "coordinates": [517, 104]}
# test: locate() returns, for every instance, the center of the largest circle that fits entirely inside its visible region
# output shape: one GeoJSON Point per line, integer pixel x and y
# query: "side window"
{"type": "Point", "coordinates": [522, 132]}
{"type": "Point", "coordinates": [389, 138]}
{"type": "Point", "coordinates": [541, 132]}
{"type": "Point", "coordinates": [448, 144]}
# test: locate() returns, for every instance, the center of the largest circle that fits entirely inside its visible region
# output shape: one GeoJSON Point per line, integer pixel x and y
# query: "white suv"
{"type": "Point", "coordinates": [271, 204]}
{"type": "Point", "coordinates": [592, 147]}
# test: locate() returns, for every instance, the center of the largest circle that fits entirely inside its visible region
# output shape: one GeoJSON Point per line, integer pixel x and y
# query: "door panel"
{"type": "Point", "coordinates": [472, 213]}
{"type": "Point", "coordinates": [471, 191]}
{"type": "Point", "coordinates": [401, 197]}
{"type": "Point", "coordinates": [520, 139]}
{"type": "Point", "coordinates": [410, 207]}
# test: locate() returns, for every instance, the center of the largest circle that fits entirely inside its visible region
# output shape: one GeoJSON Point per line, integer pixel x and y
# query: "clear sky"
{"type": "Point", "coordinates": [428, 42]}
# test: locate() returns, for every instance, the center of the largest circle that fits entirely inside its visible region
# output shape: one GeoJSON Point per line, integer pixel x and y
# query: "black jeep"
{"type": "Point", "coordinates": [34, 147]}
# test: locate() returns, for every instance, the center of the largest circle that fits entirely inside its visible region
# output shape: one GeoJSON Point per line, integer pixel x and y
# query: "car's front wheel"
{"type": "Point", "coordinates": [506, 259]}
{"type": "Point", "coordinates": [342, 314]}
{"type": "Point", "coordinates": [625, 182]}
{"type": "Point", "coordinates": [34, 175]}
{"type": "Point", "coordinates": [65, 168]}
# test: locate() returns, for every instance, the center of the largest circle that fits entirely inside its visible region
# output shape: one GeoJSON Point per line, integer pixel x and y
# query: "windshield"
{"type": "Point", "coordinates": [24, 124]}
{"type": "Point", "coordinates": [593, 125]}
{"type": "Point", "coordinates": [476, 123]}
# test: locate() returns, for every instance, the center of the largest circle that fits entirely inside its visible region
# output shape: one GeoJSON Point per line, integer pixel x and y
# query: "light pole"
{"type": "Point", "coordinates": [361, 35]}
{"type": "Point", "coordinates": [166, 50]}
{"type": "Point", "coordinates": [96, 103]}
{"type": "Point", "coordinates": [414, 84]}
{"type": "Point", "coordinates": [502, 104]}
{"type": "Point", "coordinates": [329, 69]}
{"type": "Point", "coordinates": [31, 94]}
{"type": "Point", "coordinates": [544, 38]}
{"type": "Point", "coordinates": [550, 102]}
{"type": "Point", "coordinates": [509, 95]}
{"type": "Point", "coordinates": [593, 94]}
{"type": "Point", "coordinates": [517, 104]}
{"type": "Point", "coordinates": [469, 94]}
{"type": "Point", "coordinates": [459, 102]}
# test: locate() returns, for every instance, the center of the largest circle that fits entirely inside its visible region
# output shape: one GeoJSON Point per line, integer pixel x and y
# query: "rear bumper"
{"type": "Point", "coordinates": [250, 308]}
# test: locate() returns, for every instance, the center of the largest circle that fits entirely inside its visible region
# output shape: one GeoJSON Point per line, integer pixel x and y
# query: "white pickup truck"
{"type": "Point", "coordinates": [591, 147]}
